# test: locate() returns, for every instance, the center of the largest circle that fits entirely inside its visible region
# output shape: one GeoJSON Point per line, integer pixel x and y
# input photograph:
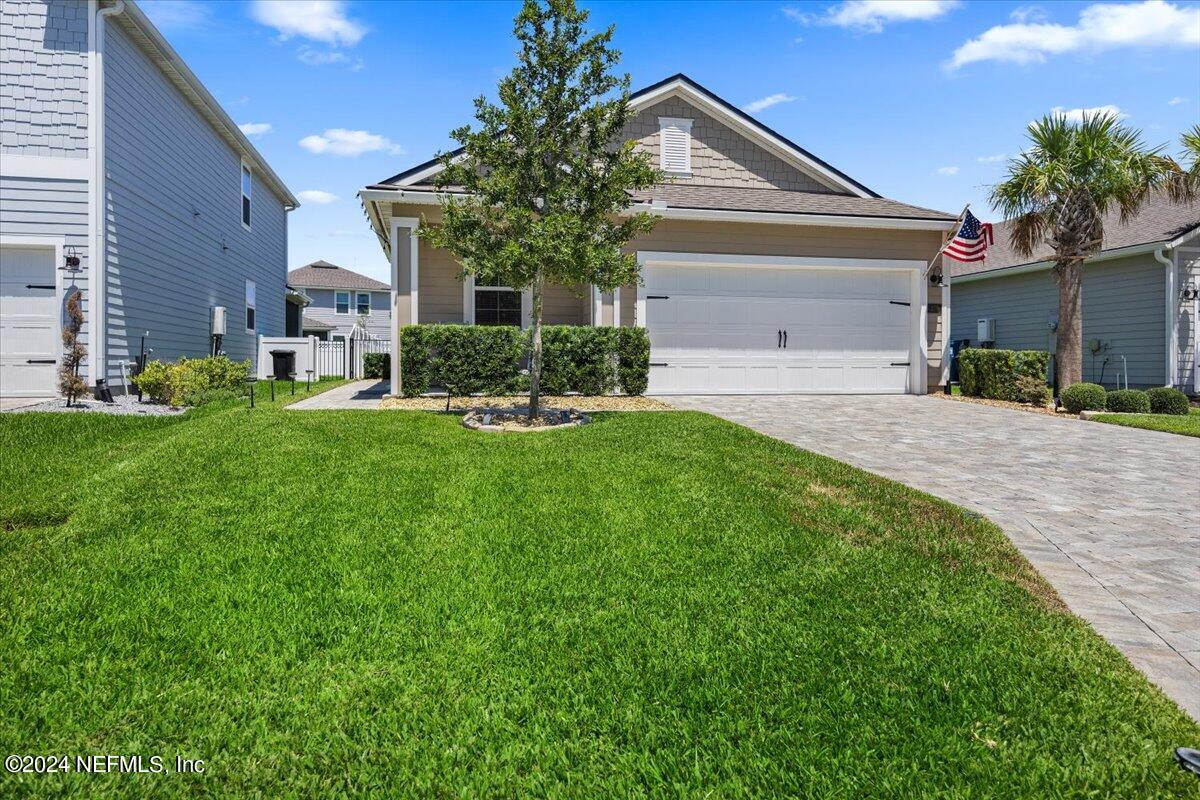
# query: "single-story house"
{"type": "Point", "coordinates": [109, 144]}
{"type": "Point", "coordinates": [770, 271]}
{"type": "Point", "coordinates": [1139, 299]}
{"type": "Point", "coordinates": [341, 299]}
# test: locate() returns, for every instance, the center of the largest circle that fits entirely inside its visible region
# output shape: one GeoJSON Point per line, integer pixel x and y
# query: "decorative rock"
{"type": "Point", "coordinates": [517, 419]}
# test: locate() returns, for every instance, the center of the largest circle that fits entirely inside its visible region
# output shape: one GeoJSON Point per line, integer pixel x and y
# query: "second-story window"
{"type": "Point", "coordinates": [341, 301]}
{"type": "Point", "coordinates": [363, 303]}
{"type": "Point", "coordinates": [246, 186]}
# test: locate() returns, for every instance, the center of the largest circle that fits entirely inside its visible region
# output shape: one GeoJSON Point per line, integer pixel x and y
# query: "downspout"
{"type": "Point", "coordinates": [1171, 312]}
{"type": "Point", "coordinates": [97, 257]}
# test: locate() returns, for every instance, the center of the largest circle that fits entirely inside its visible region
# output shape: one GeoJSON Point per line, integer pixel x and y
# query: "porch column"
{"type": "Point", "coordinates": [404, 244]}
{"type": "Point", "coordinates": [617, 307]}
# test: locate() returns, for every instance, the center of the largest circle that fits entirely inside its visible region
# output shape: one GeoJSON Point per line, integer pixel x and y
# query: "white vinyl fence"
{"type": "Point", "coordinates": [331, 359]}
{"type": "Point", "coordinates": [344, 358]}
{"type": "Point", "coordinates": [303, 346]}
{"type": "Point", "coordinates": [360, 347]}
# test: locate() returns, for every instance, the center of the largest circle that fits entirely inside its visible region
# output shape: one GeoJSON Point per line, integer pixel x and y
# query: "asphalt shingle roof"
{"type": "Point", "coordinates": [729, 198]}
{"type": "Point", "coordinates": [323, 275]}
{"type": "Point", "coordinates": [1160, 220]}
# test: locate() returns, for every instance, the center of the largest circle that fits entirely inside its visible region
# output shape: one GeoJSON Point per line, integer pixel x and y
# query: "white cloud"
{"type": "Point", "coordinates": [317, 58]}
{"type": "Point", "coordinates": [171, 15]}
{"type": "Point", "coordinates": [947, 170]}
{"type": "Point", "coordinates": [341, 142]}
{"type": "Point", "coordinates": [319, 20]}
{"type": "Point", "coordinates": [872, 15]}
{"type": "Point", "coordinates": [1151, 23]}
{"type": "Point", "coordinates": [1177, 101]}
{"type": "Point", "coordinates": [1076, 114]}
{"type": "Point", "coordinates": [992, 159]}
{"type": "Point", "coordinates": [317, 196]}
{"type": "Point", "coordinates": [764, 103]}
{"type": "Point", "coordinates": [1029, 14]}
{"type": "Point", "coordinates": [255, 128]}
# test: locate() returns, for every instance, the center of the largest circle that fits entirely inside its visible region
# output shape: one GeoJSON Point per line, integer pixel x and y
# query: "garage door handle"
{"type": "Point", "coordinates": [658, 363]}
{"type": "Point", "coordinates": [39, 286]}
{"type": "Point", "coordinates": [899, 303]}
{"type": "Point", "coordinates": [785, 340]}
{"type": "Point", "coordinates": [779, 335]}
{"type": "Point", "coordinates": [658, 297]}
{"type": "Point", "coordinates": [901, 363]}
{"type": "Point", "coordinates": [39, 361]}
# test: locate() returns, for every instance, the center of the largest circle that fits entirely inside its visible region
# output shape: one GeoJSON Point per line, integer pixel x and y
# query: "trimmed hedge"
{"type": "Point", "coordinates": [1165, 400]}
{"type": "Point", "coordinates": [193, 381]}
{"type": "Point", "coordinates": [1083, 397]}
{"type": "Point", "coordinates": [994, 373]}
{"type": "Point", "coordinates": [377, 365]}
{"type": "Point", "coordinates": [1128, 401]}
{"type": "Point", "coordinates": [468, 359]}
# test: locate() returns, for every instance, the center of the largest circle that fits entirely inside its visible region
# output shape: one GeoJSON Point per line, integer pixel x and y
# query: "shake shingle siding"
{"type": "Point", "coordinates": [1122, 307]}
{"type": "Point", "coordinates": [176, 245]}
{"type": "Point", "coordinates": [43, 78]}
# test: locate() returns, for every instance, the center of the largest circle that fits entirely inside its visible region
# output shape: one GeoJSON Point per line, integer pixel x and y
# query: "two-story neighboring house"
{"type": "Point", "coordinates": [340, 298]}
{"type": "Point", "coordinates": [109, 144]}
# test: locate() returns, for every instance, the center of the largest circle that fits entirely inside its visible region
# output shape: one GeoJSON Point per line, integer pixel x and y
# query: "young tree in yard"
{"type": "Point", "coordinates": [1058, 191]}
{"type": "Point", "coordinates": [545, 175]}
{"type": "Point", "coordinates": [69, 383]}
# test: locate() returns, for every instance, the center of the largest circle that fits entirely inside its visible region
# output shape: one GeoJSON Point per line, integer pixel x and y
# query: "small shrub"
{"type": "Point", "coordinates": [158, 382]}
{"type": "Point", "coordinates": [377, 365]}
{"type": "Point", "coordinates": [174, 383]}
{"type": "Point", "coordinates": [415, 359]}
{"type": "Point", "coordinates": [1033, 391]}
{"type": "Point", "coordinates": [633, 360]}
{"type": "Point", "coordinates": [1128, 401]}
{"type": "Point", "coordinates": [1083, 397]}
{"type": "Point", "coordinates": [579, 359]}
{"type": "Point", "coordinates": [994, 373]}
{"type": "Point", "coordinates": [1165, 400]}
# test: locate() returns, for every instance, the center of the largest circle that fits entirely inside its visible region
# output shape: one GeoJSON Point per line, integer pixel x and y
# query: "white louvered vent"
{"type": "Point", "coordinates": [675, 144]}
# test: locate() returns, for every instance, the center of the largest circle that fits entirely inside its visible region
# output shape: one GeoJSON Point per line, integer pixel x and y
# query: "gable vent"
{"type": "Point", "coordinates": [675, 144]}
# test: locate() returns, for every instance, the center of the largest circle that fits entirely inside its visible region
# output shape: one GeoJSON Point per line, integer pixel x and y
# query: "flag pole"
{"type": "Point", "coordinates": [949, 237]}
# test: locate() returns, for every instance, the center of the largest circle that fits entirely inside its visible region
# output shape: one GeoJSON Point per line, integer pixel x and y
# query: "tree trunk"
{"type": "Point", "coordinates": [1068, 358]}
{"type": "Point", "coordinates": [535, 347]}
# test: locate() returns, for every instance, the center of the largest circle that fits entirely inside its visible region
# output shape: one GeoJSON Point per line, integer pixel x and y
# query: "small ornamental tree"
{"type": "Point", "coordinates": [69, 383]}
{"type": "Point", "coordinates": [545, 177]}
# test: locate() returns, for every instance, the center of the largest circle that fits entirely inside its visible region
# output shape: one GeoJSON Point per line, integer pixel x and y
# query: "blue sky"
{"type": "Point", "coordinates": [921, 101]}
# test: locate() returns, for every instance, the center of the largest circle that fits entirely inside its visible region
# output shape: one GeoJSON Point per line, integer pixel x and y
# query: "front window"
{"type": "Point", "coordinates": [250, 307]}
{"type": "Point", "coordinates": [342, 302]}
{"type": "Point", "coordinates": [363, 304]}
{"type": "Point", "coordinates": [496, 304]}
{"type": "Point", "coordinates": [246, 186]}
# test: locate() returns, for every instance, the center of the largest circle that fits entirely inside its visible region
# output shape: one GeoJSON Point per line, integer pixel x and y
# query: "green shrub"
{"type": "Point", "coordinates": [377, 365]}
{"type": "Point", "coordinates": [416, 360]}
{"type": "Point", "coordinates": [579, 359]}
{"type": "Point", "coordinates": [476, 358]}
{"type": "Point", "coordinates": [1165, 400]}
{"type": "Point", "coordinates": [1083, 397]}
{"type": "Point", "coordinates": [557, 360]}
{"type": "Point", "coordinates": [1033, 391]}
{"type": "Point", "coordinates": [993, 373]}
{"type": "Point", "coordinates": [633, 360]}
{"type": "Point", "coordinates": [158, 381]}
{"type": "Point", "coordinates": [1128, 401]}
{"type": "Point", "coordinates": [187, 379]}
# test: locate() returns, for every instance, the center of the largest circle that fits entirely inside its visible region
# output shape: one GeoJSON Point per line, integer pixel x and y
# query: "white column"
{"type": "Point", "coordinates": [919, 361]}
{"type": "Point", "coordinates": [404, 287]}
{"type": "Point", "coordinates": [946, 325]}
{"type": "Point", "coordinates": [617, 307]}
{"type": "Point", "coordinates": [468, 299]}
{"type": "Point", "coordinates": [597, 306]}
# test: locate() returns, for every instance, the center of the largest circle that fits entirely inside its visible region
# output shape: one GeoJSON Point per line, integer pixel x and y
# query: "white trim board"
{"type": "Point", "coordinates": [13, 165]}
{"type": "Point", "coordinates": [661, 258]}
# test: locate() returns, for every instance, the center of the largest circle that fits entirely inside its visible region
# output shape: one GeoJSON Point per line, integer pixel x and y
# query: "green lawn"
{"type": "Point", "coordinates": [384, 603]}
{"type": "Point", "coordinates": [1185, 425]}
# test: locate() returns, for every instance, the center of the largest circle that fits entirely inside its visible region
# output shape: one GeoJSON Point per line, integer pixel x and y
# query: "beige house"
{"type": "Point", "coordinates": [770, 272]}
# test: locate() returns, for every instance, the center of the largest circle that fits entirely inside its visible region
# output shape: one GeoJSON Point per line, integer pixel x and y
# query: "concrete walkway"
{"type": "Point", "coordinates": [1109, 515]}
{"type": "Point", "coordinates": [356, 394]}
{"type": "Point", "coordinates": [13, 403]}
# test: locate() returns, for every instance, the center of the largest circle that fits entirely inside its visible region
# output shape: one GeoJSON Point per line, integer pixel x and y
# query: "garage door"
{"type": "Point", "coordinates": [29, 331]}
{"type": "Point", "coordinates": [735, 329]}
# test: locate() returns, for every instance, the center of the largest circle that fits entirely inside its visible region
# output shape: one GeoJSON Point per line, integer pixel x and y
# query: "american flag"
{"type": "Point", "coordinates": [972, 240]}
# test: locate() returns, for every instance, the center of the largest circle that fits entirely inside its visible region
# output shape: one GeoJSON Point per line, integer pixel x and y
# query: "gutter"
{"type": "Point", "coordinates": [1036, 266]}
{"type": "Point", "coordinates": [1172, 333]}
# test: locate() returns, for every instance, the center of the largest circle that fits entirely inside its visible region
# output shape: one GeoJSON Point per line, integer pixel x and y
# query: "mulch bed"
{"type": "Point", "coordinates": [983, 401]}
{"type": "Point", "coordinates": [582, 403]}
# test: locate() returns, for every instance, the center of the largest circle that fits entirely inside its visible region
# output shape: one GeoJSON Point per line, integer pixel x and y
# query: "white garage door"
{"type": "Point", "coordinates": [29, 329]}
{"type": "Point", "coordinates": [762, 330]}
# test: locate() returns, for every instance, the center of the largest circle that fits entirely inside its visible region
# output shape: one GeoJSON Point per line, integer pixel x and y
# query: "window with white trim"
{"type": "Point", "coordinates": [251, 322]}
{"type": "Point", "coordinates": [675, 145]}
{"type": "Point", "coordinates": [341, 302]}
{"type": "Point", "coordinates": [247, 185]}
{"type": "Point", "coordinates": [362, 303]}
{"type": "Point", "coordinates": [496, 304]}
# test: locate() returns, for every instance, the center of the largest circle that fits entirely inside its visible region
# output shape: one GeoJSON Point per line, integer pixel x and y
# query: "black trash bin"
{"type": "Point", "coordinates": [283, 362]}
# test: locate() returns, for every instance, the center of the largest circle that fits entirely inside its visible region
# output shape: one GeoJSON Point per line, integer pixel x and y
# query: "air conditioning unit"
{"type": "Point", "coordinates": [218, 320]}
{"type": "Point", "coordinates": [986, 332]}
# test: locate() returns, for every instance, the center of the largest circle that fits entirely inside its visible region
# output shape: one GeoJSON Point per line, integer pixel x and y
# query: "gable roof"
{"type": "Point", "coordinates": [1160, 222]}
{"type": "Point", "coordinates": [784, 201]}
{"type": "Point", "coordinates": [323, 275]}
{"type": "Point", "coordinates": [731, 115]}
{"type": "Point", "coordinates": [142, 31]}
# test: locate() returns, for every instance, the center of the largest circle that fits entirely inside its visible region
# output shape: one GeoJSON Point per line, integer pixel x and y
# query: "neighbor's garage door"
{"type": "Point", "coordinates": [29, 334]}
{"type": "Point", "coordinates": [761, 330]}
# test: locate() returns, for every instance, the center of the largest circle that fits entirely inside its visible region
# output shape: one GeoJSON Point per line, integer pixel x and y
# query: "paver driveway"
{"type": "Point", "coordinates": [1110, 515]}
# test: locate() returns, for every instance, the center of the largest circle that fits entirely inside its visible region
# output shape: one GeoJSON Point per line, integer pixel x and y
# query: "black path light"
{"type": "Point", "coordinates": [1189, 760]}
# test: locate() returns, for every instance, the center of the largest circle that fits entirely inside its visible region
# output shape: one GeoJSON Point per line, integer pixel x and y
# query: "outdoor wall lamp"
{"type": "Point", "coordinates": [1190, 293]}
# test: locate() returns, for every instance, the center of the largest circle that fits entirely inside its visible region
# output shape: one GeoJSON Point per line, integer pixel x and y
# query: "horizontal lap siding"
{"type": "Point", "coordinates": [1122, 306]}
{"type": "Point", "coordinates": [176, 245]}
{"type": "Point", "coordinates": [566, 305]}
{"type": "Point", "coordinates": [439, 287]}
{"type": "Point", "coordinates": [324, 308]}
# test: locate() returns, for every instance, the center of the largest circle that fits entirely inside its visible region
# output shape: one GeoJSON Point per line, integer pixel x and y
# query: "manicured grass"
{"type": "Point", "coordinates": [383, 603]}
{"type": "Point", "coordinates": [1170, 423]}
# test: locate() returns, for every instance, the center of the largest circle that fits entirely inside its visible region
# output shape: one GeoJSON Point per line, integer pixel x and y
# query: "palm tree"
{"type": "Point", "coordinates": [1191, 152]}
{"type": "Point", "coordinates": [1057, 192]}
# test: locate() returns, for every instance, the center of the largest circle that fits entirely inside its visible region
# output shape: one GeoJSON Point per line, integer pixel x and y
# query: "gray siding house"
{"type": "Point", "coordinates": [1140, 312]}
{"type": "Point", "coordinates": [340, 298]}
{"type": "Point", "coordinates": [110, 144]}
